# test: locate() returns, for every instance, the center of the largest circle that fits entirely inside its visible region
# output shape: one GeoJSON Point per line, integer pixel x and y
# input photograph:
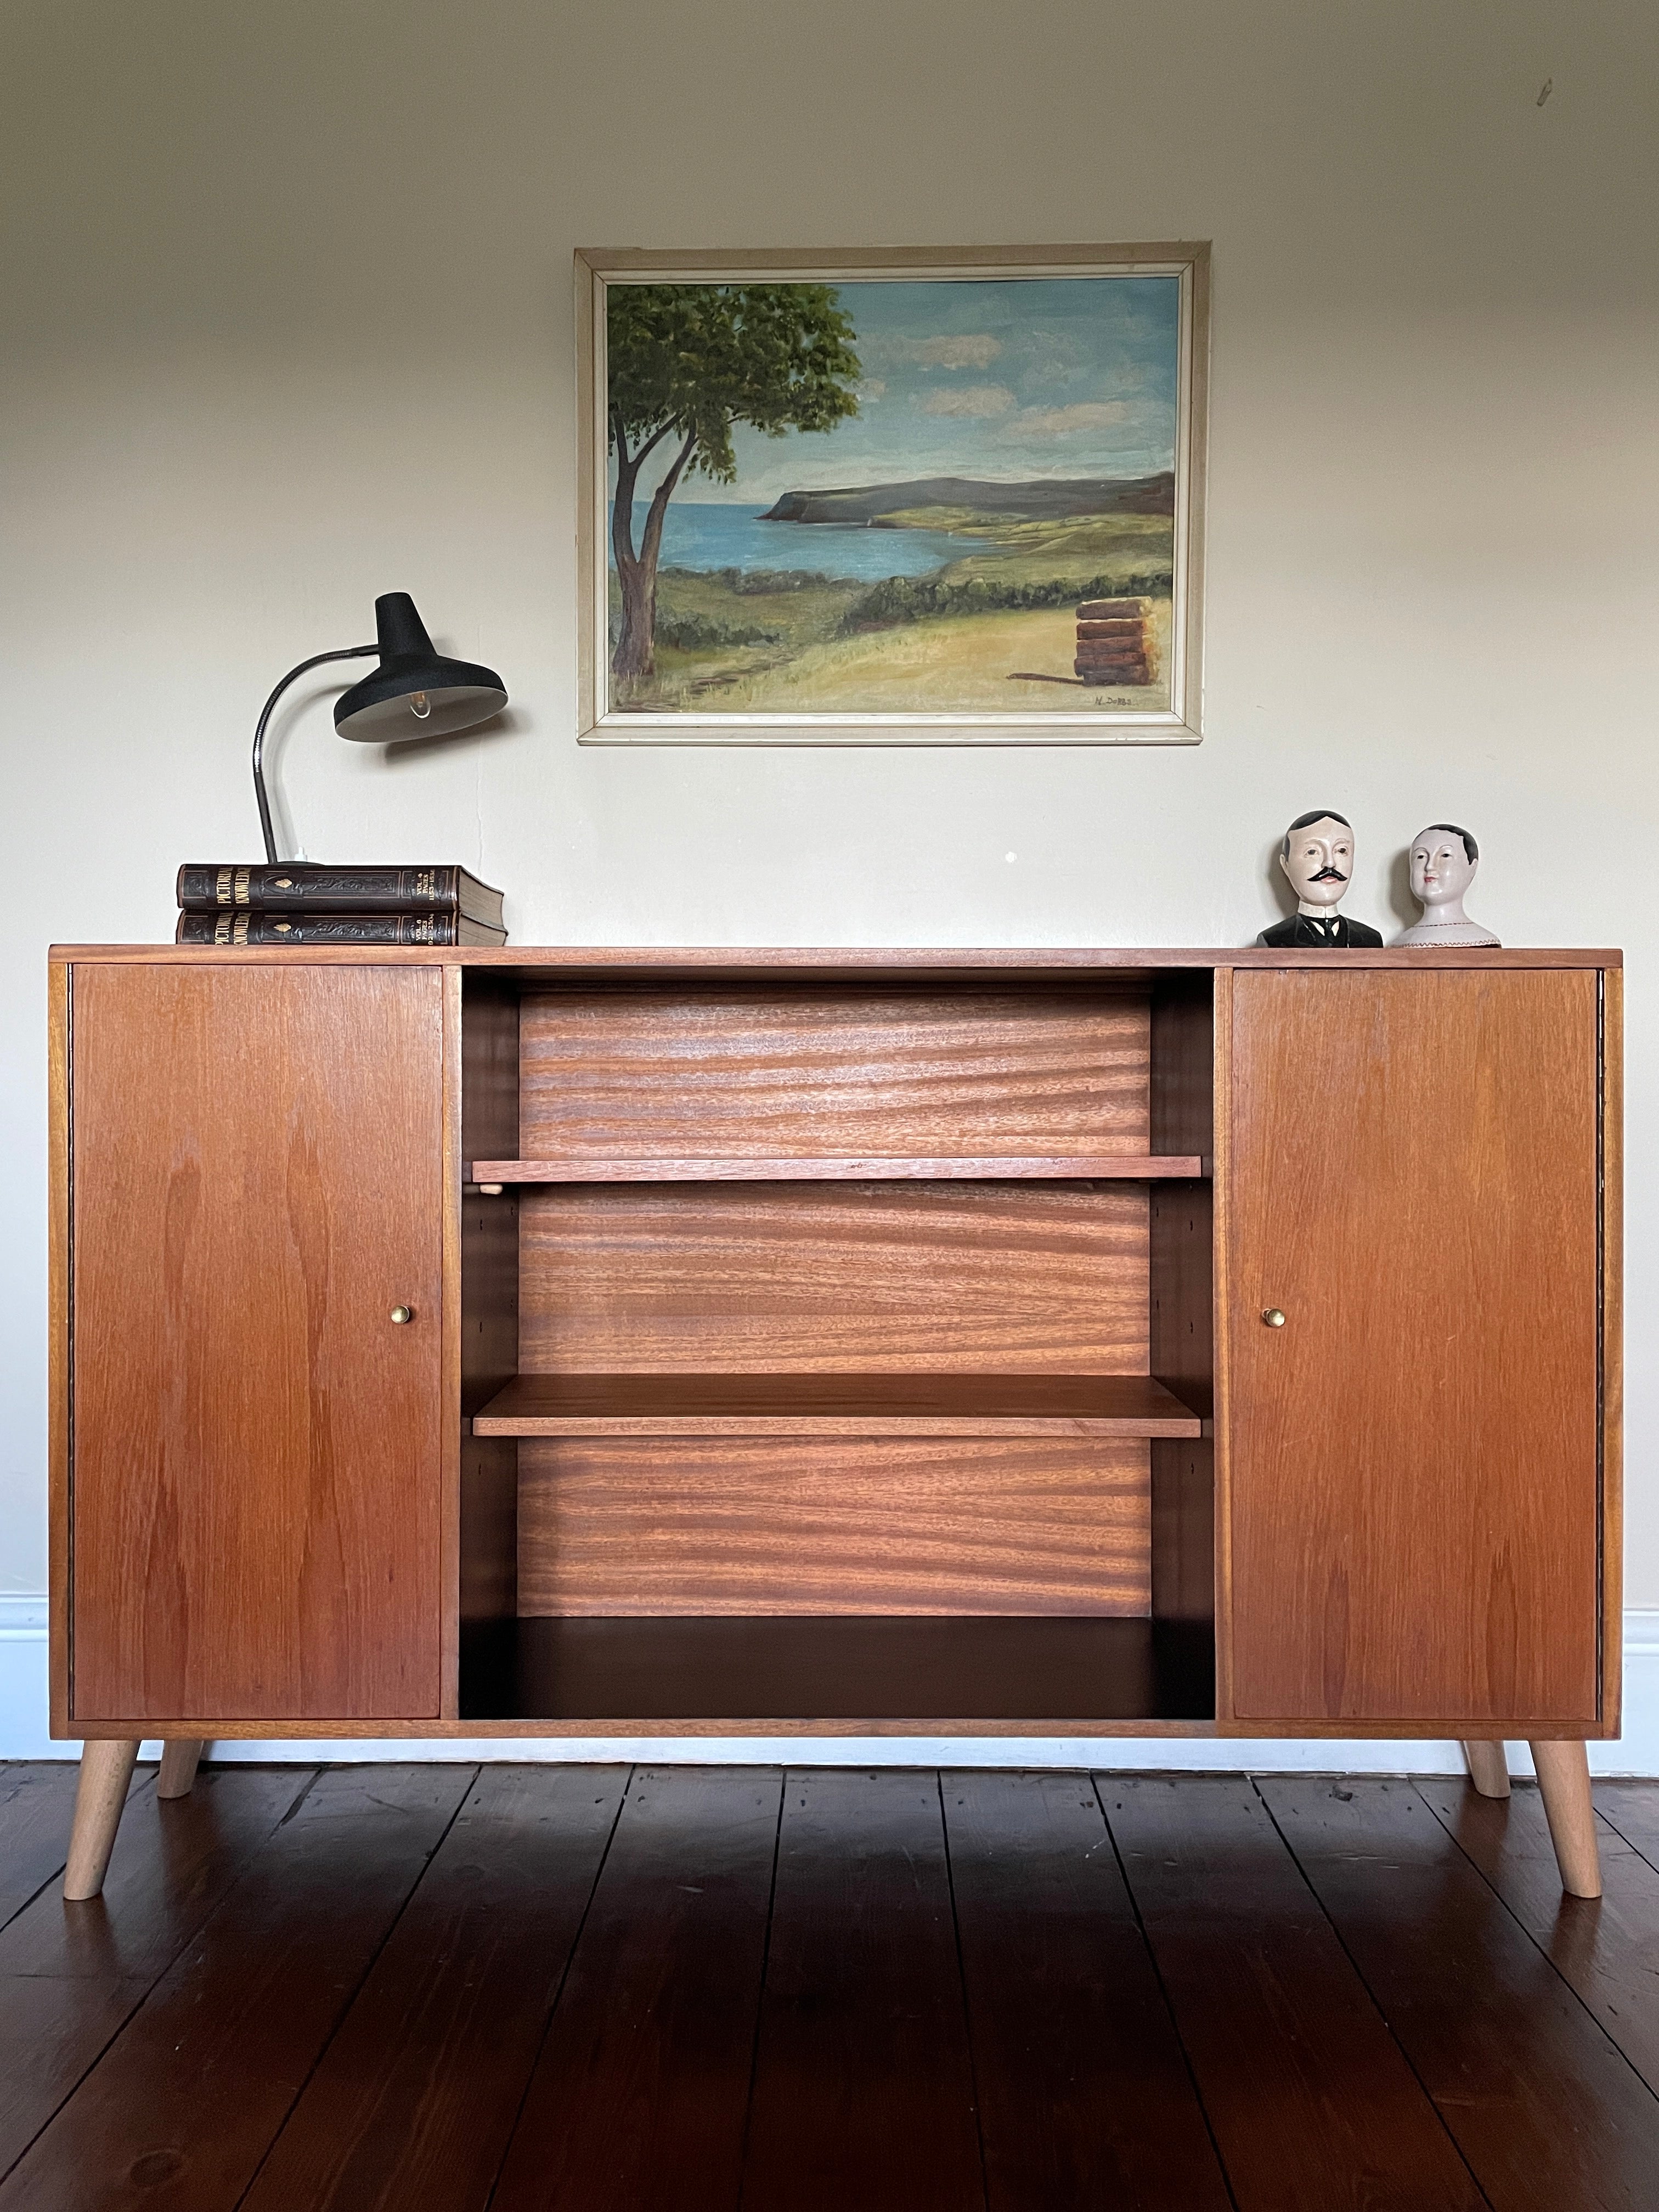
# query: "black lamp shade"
{"type": "Point", "coordinates": [415, 692]}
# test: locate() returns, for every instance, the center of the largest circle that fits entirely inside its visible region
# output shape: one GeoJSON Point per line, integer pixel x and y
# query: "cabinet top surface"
{"type": "Point", "coordinates": [832, 963]}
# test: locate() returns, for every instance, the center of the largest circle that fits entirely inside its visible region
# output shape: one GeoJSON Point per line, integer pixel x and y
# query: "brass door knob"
{"type": "Point", "coordinates": [1272, 1316]}
{"type": "Point", "coordinates": [403, 1313]}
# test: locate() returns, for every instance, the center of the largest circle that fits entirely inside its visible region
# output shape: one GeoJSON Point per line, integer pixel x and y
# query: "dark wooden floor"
{"type": "Point", "coordinates": [419, 1987]}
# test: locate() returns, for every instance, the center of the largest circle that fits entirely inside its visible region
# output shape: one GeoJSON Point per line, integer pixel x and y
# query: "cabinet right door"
{"type": "Point", "coordinates": [1414, 1463]}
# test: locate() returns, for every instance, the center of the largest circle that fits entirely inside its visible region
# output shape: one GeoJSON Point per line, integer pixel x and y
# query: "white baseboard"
{"type": "Point", "coordinates": [23, 1733]}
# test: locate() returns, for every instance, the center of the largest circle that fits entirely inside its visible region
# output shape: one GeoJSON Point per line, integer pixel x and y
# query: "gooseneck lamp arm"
{"type": "Point", "coordinates": [416, 692]}
{"type": "Point", "coordinates": [345, 652]}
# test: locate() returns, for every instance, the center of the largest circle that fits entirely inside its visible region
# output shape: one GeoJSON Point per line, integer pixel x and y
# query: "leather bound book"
{"type": "Point", "coordinates": [239, 927]}
{"type": "Point", "coordinates": [303, 886]}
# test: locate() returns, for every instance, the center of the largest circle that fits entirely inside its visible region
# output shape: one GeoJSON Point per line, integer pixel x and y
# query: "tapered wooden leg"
{"type": "Point", "coordinates": [1564, 1781]}
{"type": "Point", "coordinates": [105, 1771]}
{"type": "Point", "coordinates": [179, 1759]}
{"type": "Point", "coordinates": [1489, 1770]}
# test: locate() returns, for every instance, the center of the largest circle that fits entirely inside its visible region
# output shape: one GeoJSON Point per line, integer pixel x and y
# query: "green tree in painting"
{"type": "Point", "coordinates": [689, 362]}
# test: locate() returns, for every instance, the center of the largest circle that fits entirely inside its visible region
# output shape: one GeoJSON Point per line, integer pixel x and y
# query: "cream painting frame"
{"type": "Point", "coordinates": [1179, 722]}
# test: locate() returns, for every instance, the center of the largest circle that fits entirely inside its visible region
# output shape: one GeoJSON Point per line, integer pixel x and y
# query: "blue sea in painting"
{"type": "Point", "coordinates": [713, 536]}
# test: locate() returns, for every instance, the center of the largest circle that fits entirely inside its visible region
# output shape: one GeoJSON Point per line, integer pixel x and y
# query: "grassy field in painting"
{"type": "Point", "coordinates": [751, 644]}
{"type": "Point", "coordinates": [1008, 661]}
{"type": "Point", "coordinates": [1080, 547]}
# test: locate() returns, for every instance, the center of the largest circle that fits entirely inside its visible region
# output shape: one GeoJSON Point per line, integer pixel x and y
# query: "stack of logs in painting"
{"type": "Point", "coordinates": [1116, 642]}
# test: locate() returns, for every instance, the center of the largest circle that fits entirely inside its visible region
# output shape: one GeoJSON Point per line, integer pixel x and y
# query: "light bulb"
{"type": "Point", "coordinates": [419, 705]}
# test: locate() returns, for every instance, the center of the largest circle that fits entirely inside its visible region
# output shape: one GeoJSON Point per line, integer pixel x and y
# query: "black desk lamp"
{"type": "Point", "coordinates": [414, 693]}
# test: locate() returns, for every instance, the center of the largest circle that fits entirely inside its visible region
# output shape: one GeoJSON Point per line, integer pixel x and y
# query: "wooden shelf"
{"type": "Point", "coordinates": [835, 1406]}
{"type": "Point", "coordinates": [1094, 1167]}
{"type": "Point", "coordinates": [796, 1670]}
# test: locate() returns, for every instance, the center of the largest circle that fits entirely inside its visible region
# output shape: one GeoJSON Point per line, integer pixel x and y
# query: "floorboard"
{"type": "Point", "coordinates": [183, 2107]}
{"type": "Point", "coordinates": [71, 1975]}
{"type": "Point", "coordinates": [641, 2091]}
{"type": "Point", "coordinates": [1084, 2093]}
{"type": "Point", "coordinates": [1313, 2106]}
{"type": "Point", "coordinates": [1550, 2115]}
{"type": "Point", "coordinates": [1605, 1949]}
{"type": "Point", "coordinates": [416, 2097]}
{"type": "Point", "coordinates": [441, 1988]}
{"type": "Point", "coordinates": [864, 2092]}
{"type": "Point", "coordinates": [1633, 1809]}
{"type": "Point", "coordinates": [37, 1803]}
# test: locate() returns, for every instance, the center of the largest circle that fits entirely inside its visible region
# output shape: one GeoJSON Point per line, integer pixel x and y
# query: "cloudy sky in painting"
{"type": "Point", "coordinates": [1010, 379]}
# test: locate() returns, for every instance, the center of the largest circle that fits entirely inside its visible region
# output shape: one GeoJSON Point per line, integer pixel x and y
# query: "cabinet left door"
{"type": "Point", "coordinates": [256, 1182]}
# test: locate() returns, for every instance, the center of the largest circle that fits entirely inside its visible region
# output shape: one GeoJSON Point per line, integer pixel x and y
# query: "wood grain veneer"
{"type": "Point", "coordinates": [843, 1073]}
{"type": "Point", "coordinates": [490, 1304]}
{"type": "Point", "coordinates": [480, 1717]}
{"type": "Point", "coordinates": [1183, 1481]}
{"type": "Point", "coordinates": [535, 966]}
{"type": "Point", "coordinates": [1221, 1331]}
{"type": "Point", "coordinates": [1612, 1105]}
{"type": "Point", "coordinates": [1415, 1507]}
{"type": "Point", "coordinates": [880, 1278]}
{"type": "Point", "coordinates": [949, 1281]}
{"type": "Point", "coordinates": [1032, 1525]}
{"type": "Point", "coordinates": [829, 1405]}
{"type": "Point", "coordinates": [451, 1442]}
{"type": "Point", "coordinates": [259, 1178]}
{"type": "Point", "coordinates": [1125, 1166]}
{"type": "Point", "coordinates": [1181, 1224]}
{"type": "Point", "coordinates": [59, 1343]}
{"type": "Point", "coordinates": [1181, 1295]}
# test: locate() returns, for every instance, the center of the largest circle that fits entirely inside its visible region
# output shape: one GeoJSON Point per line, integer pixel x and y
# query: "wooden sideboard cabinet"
{"type": "Point", "coordinates": [707, 1343]}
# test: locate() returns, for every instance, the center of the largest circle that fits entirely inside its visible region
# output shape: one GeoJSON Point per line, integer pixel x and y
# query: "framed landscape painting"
{"type": "Point", "coordinates": [894, 497]}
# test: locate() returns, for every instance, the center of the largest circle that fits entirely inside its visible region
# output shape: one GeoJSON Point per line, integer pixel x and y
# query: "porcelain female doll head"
{"type": "Point", "coordinates": [1443, 860]}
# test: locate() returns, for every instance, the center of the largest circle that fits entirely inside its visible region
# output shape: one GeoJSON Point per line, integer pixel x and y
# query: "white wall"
{"type": "Point", "coordinates": [286, 305]}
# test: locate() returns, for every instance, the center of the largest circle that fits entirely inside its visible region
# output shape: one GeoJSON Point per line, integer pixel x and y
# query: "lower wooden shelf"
{"type": "Point", "coordinates": [793, 1670]}
{"type": "Point", "coordinates": [835, 1405]}
{"type": "Point", "coordinates": [1057, 1167]}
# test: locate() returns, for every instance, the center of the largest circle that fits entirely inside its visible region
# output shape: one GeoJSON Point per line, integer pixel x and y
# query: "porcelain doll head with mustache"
{"type": "Point", "coordinates": [1317, 856]}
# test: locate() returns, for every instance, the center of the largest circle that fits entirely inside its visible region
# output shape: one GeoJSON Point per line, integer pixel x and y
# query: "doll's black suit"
{"type": "Point", "coordinates": [1304, 929]}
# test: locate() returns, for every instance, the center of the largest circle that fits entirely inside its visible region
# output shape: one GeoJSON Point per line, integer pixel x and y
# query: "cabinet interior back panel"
{"type": "Point", "coordinates": [833, 1071]}
{"type": "Point", "coordinates": [1032, 1525]}
{"type": "Point", "coordinates": [641, 1279]}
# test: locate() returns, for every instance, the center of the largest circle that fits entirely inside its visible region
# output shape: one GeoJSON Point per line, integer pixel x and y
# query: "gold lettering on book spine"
{"type": "Point", "coordinates": [241, 886]}
{"type": "Point", "coordinates": [222, 888]}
